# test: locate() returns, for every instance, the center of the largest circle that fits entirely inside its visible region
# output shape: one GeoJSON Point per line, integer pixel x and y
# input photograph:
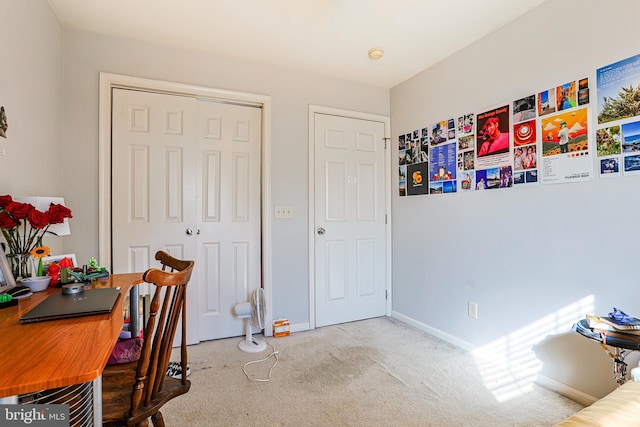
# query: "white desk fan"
{"type": "Point", "coordinates": [254, 312]}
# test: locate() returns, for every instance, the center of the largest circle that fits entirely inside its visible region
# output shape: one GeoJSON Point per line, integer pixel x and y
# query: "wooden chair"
{"type": "Point", "coordinates": [134, 392]}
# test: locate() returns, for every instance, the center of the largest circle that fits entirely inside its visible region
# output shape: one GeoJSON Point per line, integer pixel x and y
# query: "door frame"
{"type": "Point", "coordinates": [109, 81]}
{"type": "Point", "coordinates": [318, 109]}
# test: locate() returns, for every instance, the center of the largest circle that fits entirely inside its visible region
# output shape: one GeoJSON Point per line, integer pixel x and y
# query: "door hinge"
{"type": "Point", "coordinates": [385, 142]}
{"type": "Point", "coordinates": [385, 219]}
{"type": "Point", "coordinates": [386, 295]}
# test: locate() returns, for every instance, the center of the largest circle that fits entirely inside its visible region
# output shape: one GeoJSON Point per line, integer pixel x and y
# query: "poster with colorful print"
{"type": "Point", "coordinates": [417, 179]}
{"type": "Point", "coordinates": [565, 147]}
{"type": "Point", "coordinates": [493, 138]}
{"type": "Point", "coordinates": [618, 87]}
{"type": "Point", "coordinates": [439, 133]}
{"type": "Point", "coordinates": [443, 166]}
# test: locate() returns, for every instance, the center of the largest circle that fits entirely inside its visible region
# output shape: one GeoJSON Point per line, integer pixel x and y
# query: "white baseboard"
{"type": "Point", "coordinates": [543, 381]}
{"type": "Point", "coordinates": [565, 390]}
{"type": "Point", "coordinates": [433, 331]}
{"type": "Point", "coordinates": [299, 327]}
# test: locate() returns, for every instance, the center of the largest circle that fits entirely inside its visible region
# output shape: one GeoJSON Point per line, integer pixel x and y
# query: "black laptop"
{"type": "Point", "coordinates": [59, 306]}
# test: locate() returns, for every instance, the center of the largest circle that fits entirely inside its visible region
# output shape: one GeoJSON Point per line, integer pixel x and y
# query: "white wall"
{"type": "Point", "coordinates": [85, 55]}
{"type": "Point", "coordinates": [533, 258]}
{"type": "Point", "coordinates": [31, 93]}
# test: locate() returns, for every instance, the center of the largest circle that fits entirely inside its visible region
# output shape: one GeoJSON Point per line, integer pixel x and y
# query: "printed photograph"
{"type": "Point", "coordinates": [524, 109]}
{"type": "Point", "coordinates": [401, 143]}
{"type": "Point", "coordinates": [418, 179]}
{"type": "Point", "coordinates": [506, 177]}
{"type": "Point", "coordinates": [467, 160]}
{"type": "Point", "coordinates": [467, 180]}
{"type": "Point", "coordinates": [443, 162]}
{"type": "Point", "coordinates": [608, 141]}
{"type": "Point", "coordinates": [524, 133]}
{"type": "Point", "coordinates": [609, 166]}
{"type": "Point", "coordinates": [439, 133]}
{"type": "Point", "coordinates": [566, 96]}
{"type": "Point", "coordinates": [518, 178]}
{"type": "Point", "coordinates": [632, 163]}
{"type": "Point", "coordinates": [465, 124]}
{"type": "Point", "coordinates": [493, 131]}
{"type": "Point", "coordinates": [547, 102]}
{"type": "Point", "coordinates": [583, 84]}
{"type": "Point", "coordinates": [402, 157]}
{"type": "Point", "coordinates": [466, 142]}
{"type": "Point", "coordinates": [618, 88]}
{"type": "Point", "coordinates": [631, 137]}
{"type": "Point", "coordinates": [565, 133]}
{"type": "Point", "coordinates": [583, 97]}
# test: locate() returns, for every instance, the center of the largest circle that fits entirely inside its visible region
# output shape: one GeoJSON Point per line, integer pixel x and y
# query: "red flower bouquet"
{"type": "Point", "coordinates": [23, 225]}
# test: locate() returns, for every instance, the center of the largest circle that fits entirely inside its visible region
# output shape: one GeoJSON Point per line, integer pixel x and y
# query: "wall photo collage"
{"type": "Point", "coordinates": [542, 138]}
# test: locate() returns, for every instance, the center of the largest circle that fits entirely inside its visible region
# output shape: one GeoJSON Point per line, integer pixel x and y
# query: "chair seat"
{"type": "Point", "coordinates": [116, 394]}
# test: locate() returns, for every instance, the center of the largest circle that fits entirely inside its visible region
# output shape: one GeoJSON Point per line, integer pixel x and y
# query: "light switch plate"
{"type": "Point", "coordinates": [282, 211]}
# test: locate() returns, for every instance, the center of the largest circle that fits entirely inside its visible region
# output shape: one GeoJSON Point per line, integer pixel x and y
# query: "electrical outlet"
{"type": "Point", "coordinates": [473, 309]}
{"type": "Point", "coordinates": [282, 211]}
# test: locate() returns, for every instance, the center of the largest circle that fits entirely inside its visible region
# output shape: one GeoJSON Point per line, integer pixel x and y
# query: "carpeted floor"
{"type": "Point", "coordinates": [376, 372]}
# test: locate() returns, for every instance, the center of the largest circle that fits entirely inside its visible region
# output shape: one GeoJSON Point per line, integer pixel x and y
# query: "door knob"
{"type": "Point", "coordinates": [189, 232]}
{"type": "Point", "coordinates": [321, 231]}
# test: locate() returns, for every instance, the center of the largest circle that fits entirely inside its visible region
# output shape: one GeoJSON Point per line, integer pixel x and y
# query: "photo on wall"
{"type": "Point", "coordinates": [618, 88]}
{"type": "Point", "coordinates": [493, 132]}
{"type": "Point", "coordinates": [546, 102]}
{"type": "Point", "coordinates": [439, 133]}
{"type": "Point", "coordinates": [609, 167]}
{"type": "Point", "coordinates": [524, 133]}
{"type": "Point", "coordinates": [418, 179]}
{"type": "Point", "coordinates": [583, 91]}
{"type": "Point", "coordinates": [631, 137]}
{"type": "Point", "coordinates": [608, 141]}
{"type": "Point", "coordinates": [565, 132]}
{"type": "Point", "coordinates": [524, 109]}
{"type": "Point", "coordinates": [402, 180]}
{"type": "Point", "coordinates": [466, 124]}
{"type": "Point", "coordinates": [566, 156]}
{"type": "Point", "coordinates": [566, 96]}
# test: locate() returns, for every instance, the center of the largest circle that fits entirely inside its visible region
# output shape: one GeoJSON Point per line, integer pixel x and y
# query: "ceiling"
{"type": "Point", "coordinates": [327, 37]}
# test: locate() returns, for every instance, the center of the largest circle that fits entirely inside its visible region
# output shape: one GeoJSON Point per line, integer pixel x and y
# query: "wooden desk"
{"type": "Point", "coordinates": [58, 353]}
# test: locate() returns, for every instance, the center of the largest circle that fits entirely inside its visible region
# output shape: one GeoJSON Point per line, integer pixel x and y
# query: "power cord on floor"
{"type": "Point", "coordinates": [274, 353]}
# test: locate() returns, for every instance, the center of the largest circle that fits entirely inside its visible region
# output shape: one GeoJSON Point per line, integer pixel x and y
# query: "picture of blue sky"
{"type": "Point", "coordinates": [630, 131]}
{"type": "Point", "coordinates": [615, 76]}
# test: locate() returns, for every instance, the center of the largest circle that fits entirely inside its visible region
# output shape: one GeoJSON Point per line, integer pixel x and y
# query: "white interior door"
{"type": "Point", "coordinates": [229, 214]}
{"type": "Point", "coordinates": [350, 233]}
{"type": "Point", "coordinates": [185, 180]}
{"type": "Point", "coordinates": [153, 185]}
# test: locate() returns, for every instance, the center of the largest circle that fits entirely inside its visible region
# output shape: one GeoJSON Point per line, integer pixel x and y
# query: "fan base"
{"type": "Point", "coordinates": [252, 346]}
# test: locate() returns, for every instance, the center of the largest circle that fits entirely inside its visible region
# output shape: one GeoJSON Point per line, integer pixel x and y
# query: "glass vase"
{"type": "Point", "coordinates": [20, 265]}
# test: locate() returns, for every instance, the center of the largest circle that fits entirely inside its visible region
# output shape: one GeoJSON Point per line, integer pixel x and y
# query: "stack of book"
{"type": "Point", "coordinates": [628, 329]}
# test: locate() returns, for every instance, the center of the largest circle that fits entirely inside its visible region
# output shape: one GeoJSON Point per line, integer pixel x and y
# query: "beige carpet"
{"type": "Point", "coordinates": [377, 372]}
